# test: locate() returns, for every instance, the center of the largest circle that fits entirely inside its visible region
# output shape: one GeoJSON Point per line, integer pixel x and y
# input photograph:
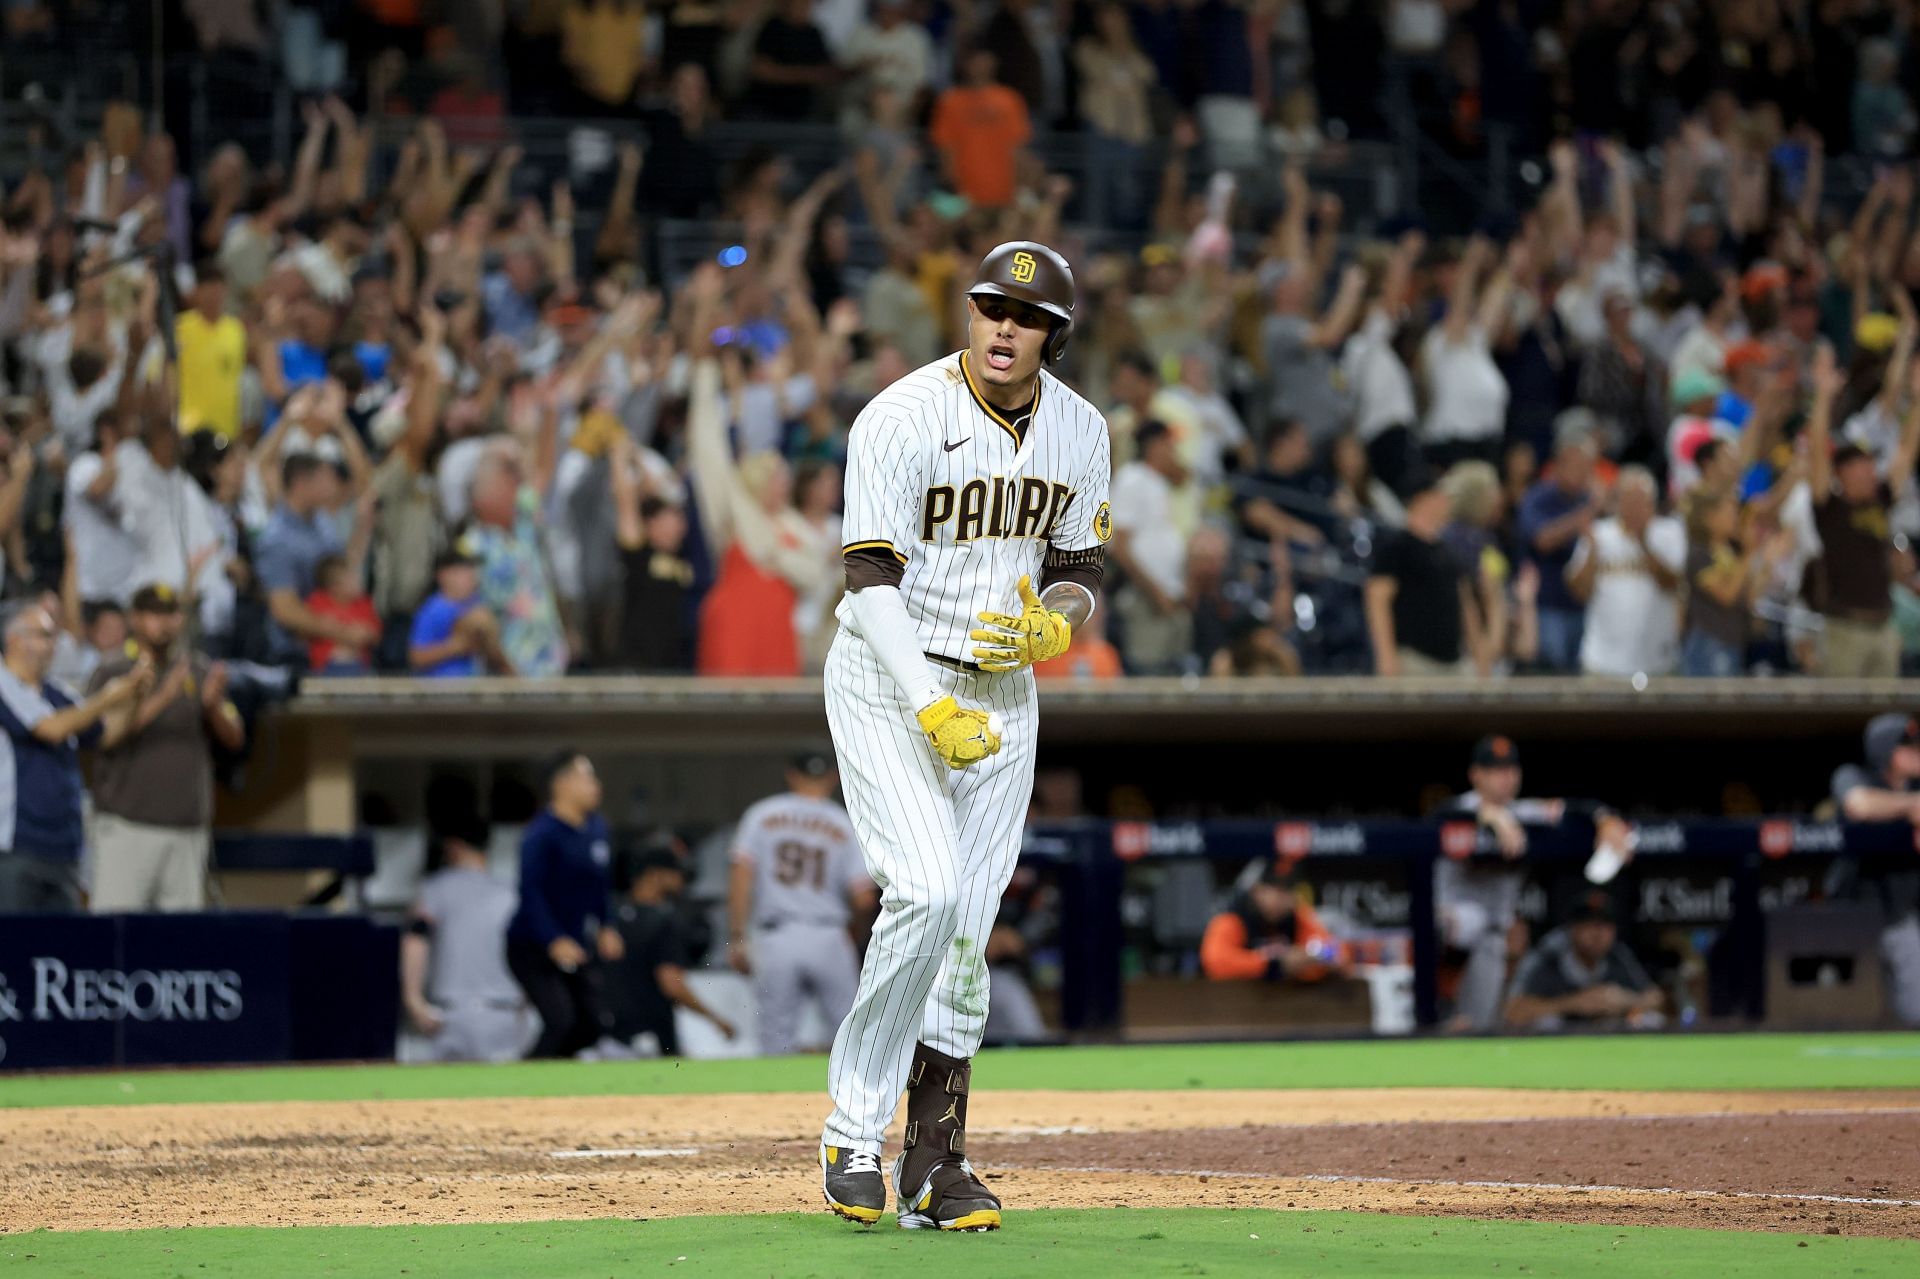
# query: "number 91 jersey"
{"type": "Point", "coordinates": [804, 859]}
{"type": "Point", "coordinates": [954, 500]}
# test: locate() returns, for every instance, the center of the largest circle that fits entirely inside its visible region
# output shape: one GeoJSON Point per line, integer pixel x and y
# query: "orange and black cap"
{"type": "Point", "coordinates": [1496, 751]}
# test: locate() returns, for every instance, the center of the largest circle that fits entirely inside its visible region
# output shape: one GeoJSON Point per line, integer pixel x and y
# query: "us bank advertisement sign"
{"type": "Point", "coordinates": [142, 989]}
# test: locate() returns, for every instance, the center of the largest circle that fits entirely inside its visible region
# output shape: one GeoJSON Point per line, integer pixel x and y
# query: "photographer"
{"type": "Point", "coordinates": [46, 729]}
{"type": "Point", "coordinates": [153, 786]}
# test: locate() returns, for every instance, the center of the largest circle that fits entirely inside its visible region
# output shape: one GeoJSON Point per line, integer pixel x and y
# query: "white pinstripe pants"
{"type": "Point", "coordinates": [941, 845]}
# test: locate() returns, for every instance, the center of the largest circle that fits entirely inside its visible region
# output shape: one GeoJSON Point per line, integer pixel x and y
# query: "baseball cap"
{"type": "Point", "coordinates": [1420, 481]}
{"type": "Point", "coordinates": [1147, 432]}
{"type": "Point", "coordinates": [453, 557]}
{"type": "Point", "coordinates": [1496, 751]}
{"type": "Point", "coordinates": [655, 856]}
{"type": "Point", "coordinates": [1695, 384]}
{"type": "Point", "coordinates": [1848, 452]}
{"type": "Point", "coordinates": [156, 597]}
{"type": "Point", "coordinates": [1278, 877]}
{"type": "Point", "coordinates": [466, 826]}
{"type": "Point", "coordinates": [1886, 734]}
{"type": "Point", "coordinates": [1761, 279]}
{"type": "Point", "coordinates": [812, 762]}
{"type": "Point", "coordinates": [1742, 354]}
{"type": "Point", "coordinates": [652, 850]}
{"type": "Point", "coordinates": [1592, 908]}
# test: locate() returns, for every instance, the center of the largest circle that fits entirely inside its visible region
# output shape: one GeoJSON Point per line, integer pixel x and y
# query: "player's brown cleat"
{"type": "Point", "coordinates": [937, 1188]}
{"type": "Point", "coordinates": [952, 1198]}
{"type": "Point", "coordinates": [852, 1184]}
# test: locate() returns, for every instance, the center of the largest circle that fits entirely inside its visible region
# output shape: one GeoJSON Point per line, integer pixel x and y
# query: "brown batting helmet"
{"type": "Point", "coordinates": [1034, 274]}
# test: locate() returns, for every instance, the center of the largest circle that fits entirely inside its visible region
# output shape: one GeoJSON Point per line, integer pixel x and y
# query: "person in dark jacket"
{"type": "Point", "coordinates": [564, 922]}
{"type": "Point", "coordinates": [651, 981]}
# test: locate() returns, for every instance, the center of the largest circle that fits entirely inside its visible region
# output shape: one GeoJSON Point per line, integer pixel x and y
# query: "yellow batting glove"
{"type": "Point", "coordinates": [1037, 634]}
{"type": "Point", "coordinates": [962, 738]}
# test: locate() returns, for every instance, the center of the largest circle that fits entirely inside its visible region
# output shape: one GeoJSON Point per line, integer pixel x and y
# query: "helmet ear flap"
{"type": "Point", "coordinates": [1057, 341]}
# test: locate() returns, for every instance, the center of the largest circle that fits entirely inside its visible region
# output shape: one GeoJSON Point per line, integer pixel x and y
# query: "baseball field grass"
{"type": "Point", "coordinates": [1059, 1245]}
{"type": "Point", "coordinates": [1633, 1063]}
{"type": "Point", "coordinates": [102, 1150]}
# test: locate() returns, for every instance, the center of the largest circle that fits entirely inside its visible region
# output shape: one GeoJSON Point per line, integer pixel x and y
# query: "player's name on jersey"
{"type": "Point", "coordinates": [804, 823]}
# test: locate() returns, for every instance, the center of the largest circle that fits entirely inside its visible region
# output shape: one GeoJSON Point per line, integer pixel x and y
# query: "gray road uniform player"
{"type": "Point", "coordinates": [976, 523]}
{"type": "Point", "coordinates": [1887, 789]}
{"type": "Point", "coordinates": [798, 882]}
{"type": "Point", "coordinates": [455, 979]}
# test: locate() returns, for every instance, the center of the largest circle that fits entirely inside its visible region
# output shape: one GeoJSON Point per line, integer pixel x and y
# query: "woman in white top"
{"type": "Point", "coordinates": [1466, 392]}
{"type": "Point", "coordinates": [1384, 413]}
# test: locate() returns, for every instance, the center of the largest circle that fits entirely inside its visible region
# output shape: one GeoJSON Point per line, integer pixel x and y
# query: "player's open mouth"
{"type": "Point", "coordinates": [1000, 356]}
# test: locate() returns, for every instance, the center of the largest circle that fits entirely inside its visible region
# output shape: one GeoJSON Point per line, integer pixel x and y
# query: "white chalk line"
{"type": "Point", "coordinates": [638, 1152]}
{"type": "Point", "coordinates": [1352, 1179]}
{"type": "Point", "coordinates": [1637, 1117]}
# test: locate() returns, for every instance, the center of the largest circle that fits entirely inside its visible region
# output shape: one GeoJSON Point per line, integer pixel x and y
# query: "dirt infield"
{"type": "Point", "coordinates": [1840, 1162]}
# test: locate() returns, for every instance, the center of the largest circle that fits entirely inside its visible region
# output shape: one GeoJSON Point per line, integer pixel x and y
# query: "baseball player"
{"type": "Point", "coordinates": [797, 880]}
{"type": "Point", "coordinates": [976, 526]}
{"type": "Point", "coordinates": [1478, 897]}
{"type": "Point", "coordinates": [1887, 789]}
{"type": "Point", "coordinates": [453, 959]}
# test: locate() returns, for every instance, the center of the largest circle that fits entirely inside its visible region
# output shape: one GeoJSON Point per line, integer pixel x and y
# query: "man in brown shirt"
{"type": "Point", "coordinates": [1851, 582]}
{"type": "Point", "coordinates": [153, 777]}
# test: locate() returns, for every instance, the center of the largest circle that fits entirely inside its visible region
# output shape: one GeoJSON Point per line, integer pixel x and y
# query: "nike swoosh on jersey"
{"type": "Point", "coordinates": [956, 444]}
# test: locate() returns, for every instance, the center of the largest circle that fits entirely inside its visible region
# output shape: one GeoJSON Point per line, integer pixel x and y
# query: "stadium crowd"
{"type": "Point", "coordinates": [414, 399]}
{"type": "Point", "coordinates": [1656, 416]}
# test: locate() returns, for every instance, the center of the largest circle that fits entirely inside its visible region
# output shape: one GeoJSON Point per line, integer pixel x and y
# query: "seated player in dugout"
{"type": "Point", "coordinates": [1269, 932]}
{"type": "Point", "coordinates": [649, 979]}
{"type": "Point", "coordinates": [1581, 973]}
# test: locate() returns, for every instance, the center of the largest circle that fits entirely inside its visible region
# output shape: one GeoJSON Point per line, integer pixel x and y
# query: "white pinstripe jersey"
{"type": "Point", "coordinates": [968, 498]}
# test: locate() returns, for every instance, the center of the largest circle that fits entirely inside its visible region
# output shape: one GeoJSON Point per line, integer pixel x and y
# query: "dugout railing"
{"type": "Point", "coordinates": [1719, 876]}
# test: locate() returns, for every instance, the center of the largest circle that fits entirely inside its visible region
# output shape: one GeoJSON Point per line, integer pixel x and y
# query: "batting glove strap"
{"type": "Point", "coordinates": [960, 737]}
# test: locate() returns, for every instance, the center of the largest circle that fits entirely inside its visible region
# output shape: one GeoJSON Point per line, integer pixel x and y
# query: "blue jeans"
{"type": "Point", "coordinates": [1561, 631]}
{"type": "Point", "coordinates": [1703, 656]}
